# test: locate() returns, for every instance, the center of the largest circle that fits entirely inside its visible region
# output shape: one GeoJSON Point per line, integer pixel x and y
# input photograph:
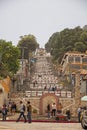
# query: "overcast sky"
{"type": "Point", "coordinates": [40, 18]}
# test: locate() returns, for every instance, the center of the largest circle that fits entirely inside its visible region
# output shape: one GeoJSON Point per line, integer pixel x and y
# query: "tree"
{"type": "Point", "coordinates": [67, 40]}
{"type": "Point", "coordinates": [27, 44]}
{"type": "Point", "coordinates": [83, 37]}
{"type": "Point", "coordinates": [9, 58]}
{"type": "Point", "coordinates": [80, 46]}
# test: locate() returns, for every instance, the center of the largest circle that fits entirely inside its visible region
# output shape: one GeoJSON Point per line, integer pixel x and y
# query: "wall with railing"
{"type": "Point", "coordinates": [63, 94]}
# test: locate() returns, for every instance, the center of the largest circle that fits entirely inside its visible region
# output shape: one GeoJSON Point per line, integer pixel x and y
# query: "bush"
{"type": "Point", "coordinates": [34, 110]}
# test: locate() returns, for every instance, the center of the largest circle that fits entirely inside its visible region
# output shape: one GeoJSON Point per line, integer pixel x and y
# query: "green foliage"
{"type": "Point", "coordinates": [67, 40]}
{"type": "Point", "coordinates": [80, 46]}
{"type": "Point", "coordinates": [83, 37]}
{"type": "Point", "coordinates": [28, 44]}
{"type": "Point", "coordinates": [34, 110]}
{"type": "Point", "coordinates": [9, 58]}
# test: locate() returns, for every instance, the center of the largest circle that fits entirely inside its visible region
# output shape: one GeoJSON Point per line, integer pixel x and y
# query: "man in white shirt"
{"type": "Point", "coordinates": [22, 110]}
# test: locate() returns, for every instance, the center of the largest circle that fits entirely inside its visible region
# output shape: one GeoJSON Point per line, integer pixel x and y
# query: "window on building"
{"type": "Point", "coordinates": [75, 66]}
{"type": "Point", "coordinates": [84, 67]}
{"type": "Point", "coordinates": [77, 59]}
{"type": "Point", "coordinates": [71, 59]}
{"type": "Point", "coordinates": [84, 59]}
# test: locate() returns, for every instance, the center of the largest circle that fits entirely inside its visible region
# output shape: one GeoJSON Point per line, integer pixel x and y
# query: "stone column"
{"type": "Point", "coordinates": [77, 93]}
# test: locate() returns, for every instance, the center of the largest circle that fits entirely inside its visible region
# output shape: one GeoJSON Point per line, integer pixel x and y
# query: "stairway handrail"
{"type": "Point", "coordinates": [69, 106]}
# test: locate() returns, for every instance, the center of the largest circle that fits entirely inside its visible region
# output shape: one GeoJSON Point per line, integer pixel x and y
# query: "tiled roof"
{"type": "Point", "coordinates": [75, 53]}
{"type": "Point", "coordinates": [83, 71]}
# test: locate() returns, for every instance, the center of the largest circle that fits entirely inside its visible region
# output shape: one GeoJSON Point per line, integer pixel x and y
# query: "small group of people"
{"type": "Point", "coordinates": [22, 109]}
{"type": "Point", "coordinates": [11, 108]}
{"type": "Point", "coordinates": [53, 109]}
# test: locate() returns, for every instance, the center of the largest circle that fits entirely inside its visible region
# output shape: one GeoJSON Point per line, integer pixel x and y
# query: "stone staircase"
{"type": "Point", "coordinates": [43, 77]}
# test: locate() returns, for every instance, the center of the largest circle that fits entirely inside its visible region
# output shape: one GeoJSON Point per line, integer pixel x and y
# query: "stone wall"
{"type": "Point", "coordinates": [39, 103]}
{"type": "Point", "coordinates": [34, 102]}
{"type": "Point", "coordinates": [3, 98]}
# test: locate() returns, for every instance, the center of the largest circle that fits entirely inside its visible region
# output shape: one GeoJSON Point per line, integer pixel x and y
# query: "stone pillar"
{"type": "Point", "coordinates": [77, 93]}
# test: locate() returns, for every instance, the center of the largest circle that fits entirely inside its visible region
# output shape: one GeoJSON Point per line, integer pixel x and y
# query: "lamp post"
{"type": "Point", "coordinates": [22, 55]}
{"type": "Point", "coordinates": [25, 68]}
{"type": "Point", "coordinates": [77, 91]}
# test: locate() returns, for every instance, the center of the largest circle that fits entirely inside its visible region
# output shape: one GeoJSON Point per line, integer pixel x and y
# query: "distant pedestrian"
{"type": "Point", "coordinates": [13, 108]}
{"type": "Point", "coordinates": [4, 112]}
{"type": "Point", "coordinates": [48, 110]}
{"type": "Point", "coordinates": [45, 87]}
{"type": "Point", "coordinates": [29, 112]}
{"type": "Point", "coordinates": [9, 107]}
{"type": "Point", "coordinates": [68, 114]}
{"type": "Point", "coordinates": [53, 110]}
{"type": "Point", "coordinates": [22, 111]}
{"type": "Point", "coordinates": [79, 114]}
{"type": "Point", "coordinates": [59, 108]}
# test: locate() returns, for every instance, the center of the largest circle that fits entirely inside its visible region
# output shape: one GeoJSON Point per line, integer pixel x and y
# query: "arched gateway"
{"type": "Point", "coordinates": [45, 99]}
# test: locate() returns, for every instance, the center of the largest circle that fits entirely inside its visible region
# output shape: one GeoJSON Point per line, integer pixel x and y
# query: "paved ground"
{"type": "Point", "coordinates": [39, 126]}
{"type": "Point", "coordinates": [12, 125]}
{"type": "Point", "coordinates": [34, 117]}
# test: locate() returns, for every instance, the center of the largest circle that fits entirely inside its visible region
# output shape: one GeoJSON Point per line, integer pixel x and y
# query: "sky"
{"type": "Point", "coordinates": [40, 18]}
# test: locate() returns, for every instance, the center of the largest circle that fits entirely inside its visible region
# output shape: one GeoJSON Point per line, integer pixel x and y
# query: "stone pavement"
{"type": "Point", "coordinates": [11, 124]}
{"type": "Point", "coordinates": [36, 118]}
{"type": "Point", "coordinates": [39, 126]}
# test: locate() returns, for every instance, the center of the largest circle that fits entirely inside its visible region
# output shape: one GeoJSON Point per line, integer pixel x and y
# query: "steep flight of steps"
{"type": "Point", "coordinates": [43, 77]}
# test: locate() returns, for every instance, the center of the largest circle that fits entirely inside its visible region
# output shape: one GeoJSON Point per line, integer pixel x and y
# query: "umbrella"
{"type": "Point", "coordinates": [84, 98]}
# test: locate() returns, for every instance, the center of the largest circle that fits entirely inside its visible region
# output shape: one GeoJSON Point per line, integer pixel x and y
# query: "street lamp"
{"type": "Point", "coordinates": [22, 55]}
{"type": "Point", "coordinates": [25, 66]}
